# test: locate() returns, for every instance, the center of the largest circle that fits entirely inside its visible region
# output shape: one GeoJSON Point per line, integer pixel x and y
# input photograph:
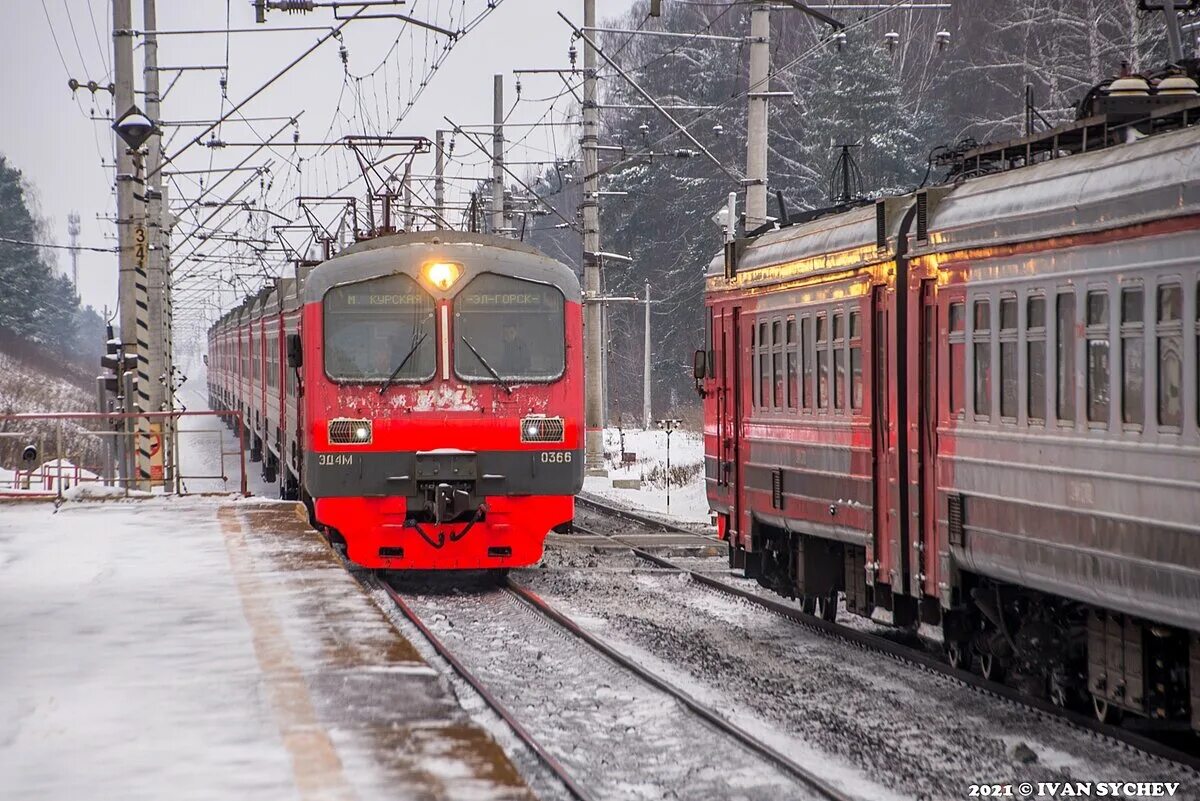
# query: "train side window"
{"type": "Point", "coordinates": [1098, 368]}
{"type": "Point", "coordinates": [806, 363]}
{"type": "Point", "coordinates": [790, 366]}
{"type": "Point", "coordinates": [1064, 349]}
{"type": "Point", "coordinates": [1133, 348]}
{"type": "Point", "coordinates": [856, 371]}
{"type": "Point", "coordinates": [1008, 358]}
{"type": "Point", "coordinates": [757, 334]}
{"type": "Point", "coordinates": [1035, 354]}
{"type": "Point", "coordinates": [981, 338]}
{"type": "Point", "coordinates": [839, 362]}
{"type": "Point", "coordinates": [777, 377]}
{"type": "Point", "coordinates": [958, 350]}
{"type": "Point", "coordinates": [822, 363]}
{"type": "Point", "coordinates": [1169, 333]}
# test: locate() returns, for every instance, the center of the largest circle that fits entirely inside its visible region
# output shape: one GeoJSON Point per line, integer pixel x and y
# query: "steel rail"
{"type": "Point", "coordinates": [547, 759]}
{"type": "Point", "coordinates": [635, 517]}
{"type": "Point", "coordinates": [804, 775]}
{"type": "Point", "coordinates": [906, 653]}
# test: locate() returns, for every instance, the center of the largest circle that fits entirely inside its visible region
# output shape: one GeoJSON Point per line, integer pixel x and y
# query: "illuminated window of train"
{"type": "Point", "coordinates": [377, 328]}
{"type": "Point", "coordinates": [513, 326]}
{"type": "Point", "coordinates": [839, 362]}
{"type": "Point", "coordinates": [981, 337]}
{"type": "Point", "coordinates": [792, 376]}
{"type": "Point", "coordinates": [1008, 358]}
{"type": "Point", "coordinates": [1098, 368]}
{"type": "Point", "coordinates": [1133, 347]}
{"type": "Point", "coordinates": [856, 375]}
{"type": "Point", "coordinates": [1170, 355]}
{"type": "Point", "coordinates": [806, 362]}
{"type": "Point", "coordinates": [822, 364]}
{"type": "Point", "coordinates": [955, 371]}
{"type": "Point", "coordinates": [1064, 350]}
{"type": "Point", "coordinates": [777, 377]}
{"type": "Point", "coordinates": [1035, 346]}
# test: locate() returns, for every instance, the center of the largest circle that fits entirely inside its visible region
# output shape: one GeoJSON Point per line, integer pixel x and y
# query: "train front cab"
{"type": "Point", "coordinates": [443, 401]}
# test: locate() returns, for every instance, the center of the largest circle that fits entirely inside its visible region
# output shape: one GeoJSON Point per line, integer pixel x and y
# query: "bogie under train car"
{"type": "Point", "coordinates": [423, 393]}
{"type": "Point", "coordinates": [974, 407]}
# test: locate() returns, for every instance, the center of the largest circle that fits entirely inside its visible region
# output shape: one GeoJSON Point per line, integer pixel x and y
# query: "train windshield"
{"type": "Point", "coordinates": [379, 330]}
{"type": "Point", "coordinates": [508, 329]}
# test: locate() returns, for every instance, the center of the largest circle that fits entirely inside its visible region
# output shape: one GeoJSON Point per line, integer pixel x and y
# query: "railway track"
{"type": "Point", "coordinates": [578, 787]}
{"type": "Point", "coordinates": [897, 650]}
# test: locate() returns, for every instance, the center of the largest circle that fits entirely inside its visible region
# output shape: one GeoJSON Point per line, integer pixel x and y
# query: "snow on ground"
{"type": "Point", "coordinates": [688, 500]}
{"type": "Point", "coordinates": [190, 648]}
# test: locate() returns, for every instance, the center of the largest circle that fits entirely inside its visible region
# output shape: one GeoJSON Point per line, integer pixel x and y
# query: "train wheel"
{"type": "Point", "coordinates": [1106, 712]}
{"type": "Point", "coordinates": [990, 667]}
{"type": "Point", "coordinates": [825, 606]}
{"type": "Point", "coordinates": [958, 654]}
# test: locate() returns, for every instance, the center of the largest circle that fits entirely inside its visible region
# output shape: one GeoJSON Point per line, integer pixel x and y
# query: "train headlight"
{"type": "Point", "coordinates": [442, 274]}
{"type": "Point", "coordinates": [539, 428]}
{"type": "Point", "coordinates": [350, 432]}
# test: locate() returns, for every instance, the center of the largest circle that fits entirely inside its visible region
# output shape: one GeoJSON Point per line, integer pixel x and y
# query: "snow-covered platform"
{"type": "Point", "coordinates": [207, 648]}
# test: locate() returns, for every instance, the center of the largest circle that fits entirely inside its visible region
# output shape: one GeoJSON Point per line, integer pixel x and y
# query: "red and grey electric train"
{"type": "Point", "coordinates": [975, 407]}
{"type": "Point", "coordinates": [423, 393]}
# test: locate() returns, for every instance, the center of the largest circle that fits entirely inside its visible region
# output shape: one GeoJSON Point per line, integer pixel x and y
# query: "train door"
{"type": "Point", "coordinates": [729, 415]}
{"type": "Point", "coordinates": [925, 528]}
{"type": "Point", "coordinates": [878, 550]}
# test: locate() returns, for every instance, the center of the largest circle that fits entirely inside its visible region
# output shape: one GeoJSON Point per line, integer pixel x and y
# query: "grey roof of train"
{"type": "Point", "coordinates": [370, 258]}
{"type": "Point", "coordinates": [1154, 178]}
{"type": "Point", "coordinates": [379, 257]}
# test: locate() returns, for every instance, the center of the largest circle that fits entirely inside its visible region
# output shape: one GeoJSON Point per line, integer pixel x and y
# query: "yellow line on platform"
{"type": "Point", "coordinates": [316, 767]}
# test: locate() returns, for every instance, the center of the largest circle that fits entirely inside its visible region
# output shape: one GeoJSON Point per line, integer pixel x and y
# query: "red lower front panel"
{"type": "Point", "coordinates": [511, 535]}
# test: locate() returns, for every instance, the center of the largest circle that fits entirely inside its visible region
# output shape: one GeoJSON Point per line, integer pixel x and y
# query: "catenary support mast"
{"type": "Point", "coordinates": [129, 214]}
{"type": "Point", "coordinates": [590, 207]}
{"type": "Point", "coordinates": [497, 153]}
{"type": "Point", "coordinates": [756, 119]}
{"type": "Point", "coordinates": [647, 420]}
{"type": "Point", "coordinates": [153, 391]}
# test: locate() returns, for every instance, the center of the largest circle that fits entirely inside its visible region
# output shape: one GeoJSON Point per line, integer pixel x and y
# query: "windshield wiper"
{"type": "Point", "coordinates": [392, 378]}
{"type": "Point", "coordinates": [487, 366]}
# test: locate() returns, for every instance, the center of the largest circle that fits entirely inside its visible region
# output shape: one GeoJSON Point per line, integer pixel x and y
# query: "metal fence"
{"type": "Point", "coordinates": [45, 455]}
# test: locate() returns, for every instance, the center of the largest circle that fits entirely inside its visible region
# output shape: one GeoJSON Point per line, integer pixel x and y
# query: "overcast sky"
{"type": "Point", "coordinates": [46, 133]}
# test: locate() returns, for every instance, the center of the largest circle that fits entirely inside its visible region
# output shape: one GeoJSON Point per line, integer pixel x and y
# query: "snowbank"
{"type": "Point", "coordinates": [688, 504]}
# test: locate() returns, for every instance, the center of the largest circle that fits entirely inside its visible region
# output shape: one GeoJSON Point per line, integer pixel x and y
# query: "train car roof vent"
{"type": "Point", "coordinates": [922, 216]}
{"type": "Point", "coordinates": [881, 237]}
{"type": "Point", "coordinates": [1179, 85]}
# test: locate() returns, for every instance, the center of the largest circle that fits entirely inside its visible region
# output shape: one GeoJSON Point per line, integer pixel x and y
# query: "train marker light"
{"type": "Point", "coordinates": [442, 274]}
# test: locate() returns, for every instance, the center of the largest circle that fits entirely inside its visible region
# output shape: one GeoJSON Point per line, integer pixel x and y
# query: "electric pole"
{"type": "Point", "coordinates": [594, 346]}
{"type": "Point", "coordinates": [153, 369]}
{"type": "Point", "coordinates": [439, 180]}
{"type": "Point", "coordinates": [497, 154]}
{"type": "Point", "coordinates": [756, 117]}
{"type": "Point", "coordinates": [646, 420]}
{"type": "Point", "coordinates": [73, 229]}
{"type": "Point", "coordinates": [131, 233]}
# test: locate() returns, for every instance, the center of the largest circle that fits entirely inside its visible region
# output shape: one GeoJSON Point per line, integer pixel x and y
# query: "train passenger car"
{"type": "Point", "coordinates": [975, 407]}
{"type": "Point", "coordinates": [433, 394]}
